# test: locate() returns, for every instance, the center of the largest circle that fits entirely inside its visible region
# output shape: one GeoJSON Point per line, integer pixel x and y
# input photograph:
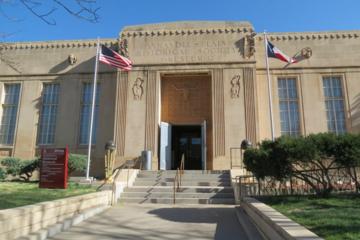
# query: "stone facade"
{"type": "Point", "coordinates": [214, 71]}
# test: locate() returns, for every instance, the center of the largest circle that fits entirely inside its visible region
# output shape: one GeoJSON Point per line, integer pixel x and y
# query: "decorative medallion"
{"type": "Point", "coordinates": [306, 52]}
{"type": "Point", "coordinates": [72, 59]}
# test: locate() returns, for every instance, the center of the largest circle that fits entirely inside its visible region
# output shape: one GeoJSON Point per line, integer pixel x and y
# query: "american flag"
{"type": "Point", "coordinates": [114, 59]}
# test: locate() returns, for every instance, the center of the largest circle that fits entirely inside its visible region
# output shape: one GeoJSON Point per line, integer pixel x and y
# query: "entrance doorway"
{"type": "Point", "coordinates": [179, 140]}
{"type": "Point", "coordinates": [186, 121]}
{"type": "Point", "coordinates": [186, 140]}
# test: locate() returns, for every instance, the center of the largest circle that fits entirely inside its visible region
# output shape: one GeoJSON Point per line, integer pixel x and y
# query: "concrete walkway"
{"type": "Point", "coordinates": [155, 221]}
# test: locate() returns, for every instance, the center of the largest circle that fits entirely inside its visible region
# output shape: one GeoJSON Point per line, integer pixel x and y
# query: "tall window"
{"type": "Point", "coordinates": [334, 103]}
{"type": "Point", "coordinates": [9, 113]}
{"type": "Point", "coordinates": [289, 107]}
{"type": "Point", "coordinates": [47, 122]}
{"type": "Point", "coordinates": [86, 113]}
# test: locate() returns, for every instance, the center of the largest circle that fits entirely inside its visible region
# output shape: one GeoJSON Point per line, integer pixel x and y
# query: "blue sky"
{"type": "Point", "coordinates": [270, 15]}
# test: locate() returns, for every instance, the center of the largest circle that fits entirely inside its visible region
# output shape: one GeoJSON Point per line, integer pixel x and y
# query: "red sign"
{"type": "Point", "coordinates": [54, 168]}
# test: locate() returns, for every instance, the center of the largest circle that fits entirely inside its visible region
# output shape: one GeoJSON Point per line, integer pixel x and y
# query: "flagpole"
{"type": "Point", "coordinates": [269, 89]}
{"type": "Point", "coordinates": [92, 109]}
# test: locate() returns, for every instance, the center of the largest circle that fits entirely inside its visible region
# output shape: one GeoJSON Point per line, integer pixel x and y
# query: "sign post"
{"type": "Point", "coordinates": [54, 168]}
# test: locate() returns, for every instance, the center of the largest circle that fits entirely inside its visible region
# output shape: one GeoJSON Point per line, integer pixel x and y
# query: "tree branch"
{"type": "Point", "coordinates": [85, 12]}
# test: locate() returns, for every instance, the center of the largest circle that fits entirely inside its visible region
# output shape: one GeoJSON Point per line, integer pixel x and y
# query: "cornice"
{"type": "Point", "coordinates": [310, 36]}
{"type": "Point", "coordinates": [57, 44]}
{"type": "Point", "coordinates": [183, 32]}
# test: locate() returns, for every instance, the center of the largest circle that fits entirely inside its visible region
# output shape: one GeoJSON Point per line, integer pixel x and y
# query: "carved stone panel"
{"type": "Point", "coordinates": [138, 89]}
{"type": "Point", "coordinates": [235, 86]}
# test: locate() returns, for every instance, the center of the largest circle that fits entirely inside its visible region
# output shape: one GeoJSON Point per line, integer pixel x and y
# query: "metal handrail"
{"type": "Point", "coordinates": [182, 167]}
{"type": "Point", "coordinates": [176, 184]}
{"type": "Point", "coordinates": [126, 165]}
{"type": "Point", "coordinates": [178, 177]}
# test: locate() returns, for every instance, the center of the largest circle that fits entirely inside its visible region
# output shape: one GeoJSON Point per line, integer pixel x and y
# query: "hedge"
{"type": "Point", "coordinates": [294, 156]}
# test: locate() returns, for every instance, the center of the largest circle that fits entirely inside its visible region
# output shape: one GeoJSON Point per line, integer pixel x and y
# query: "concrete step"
{"type": "Point", "coordinates": [173, 173]}
{"type": "Point", "coordinates": [178, 195]}
{"type": "Point", "coordinates": [199, 176]}
{"type": "Point", "coordinates": [189, 179]}
{"type": "Point", "coordinates": [140, 182]}
{"type": "Point", "coordinates": [178, 200]}
{"type": "Point", "coordinates": [187, 171]}
{"type": "Point", "coordinates": [182, 189]}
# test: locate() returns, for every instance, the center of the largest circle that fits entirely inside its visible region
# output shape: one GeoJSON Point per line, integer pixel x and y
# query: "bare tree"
{"type": "Point", "coordinates": [86, 10]}
{"type": "Point", "coordinates": [83, 9]}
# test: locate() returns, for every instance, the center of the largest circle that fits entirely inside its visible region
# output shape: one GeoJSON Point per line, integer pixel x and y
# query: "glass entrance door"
{"type": "Point", "coordinates": [187, 141]}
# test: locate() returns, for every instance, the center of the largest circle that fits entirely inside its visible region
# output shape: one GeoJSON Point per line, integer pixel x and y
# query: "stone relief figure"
{"type": "Point", "coordinates": [72, 59]}
{"type": "Point", "coordinates": [235, 86]}
{"type": "Point", "coordinates": [249, 45]}
{"type": "Point", "coordinates": [138, 88]}
{"type": "Point", "coordinates": [123, 47]}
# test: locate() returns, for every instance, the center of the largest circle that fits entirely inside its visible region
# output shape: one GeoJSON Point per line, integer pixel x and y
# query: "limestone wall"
{"type": "Point", "coordinates": [21, 221]}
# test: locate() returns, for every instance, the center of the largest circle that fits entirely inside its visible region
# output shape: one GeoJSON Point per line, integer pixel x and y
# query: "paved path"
{"type": "Point", "coordinates": [150, 222]}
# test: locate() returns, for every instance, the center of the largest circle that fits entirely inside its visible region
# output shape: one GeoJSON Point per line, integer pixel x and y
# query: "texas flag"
{"type": "Point", "coordinates": [274, 52]}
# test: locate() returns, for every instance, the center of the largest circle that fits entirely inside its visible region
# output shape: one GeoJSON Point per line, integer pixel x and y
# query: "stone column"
{"type": "Point", "coordinates": [121, 105]}
{"type": "Point", "coordinates": [151, 109]}
{"type": "Point", "coordinates": [218, 113]}
{"type": "Point", "coordinates": [250, 104]}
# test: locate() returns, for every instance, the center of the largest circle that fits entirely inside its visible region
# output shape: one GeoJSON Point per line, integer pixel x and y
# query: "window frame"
{"type": "Point", "coordinates": [298, 100]}
{"type": "Point", "coordinates": [3, 84]}
{"type": "Point", "coordinates": [343, 98]}
{"type": "Point", "coordinates": [97, 105]}
{"type": "Point", "coordinates": [41, 112]}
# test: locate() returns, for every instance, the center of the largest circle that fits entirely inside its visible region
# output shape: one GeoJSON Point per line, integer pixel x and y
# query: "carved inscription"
{"type": "Point", "coordinates": [187, 51]}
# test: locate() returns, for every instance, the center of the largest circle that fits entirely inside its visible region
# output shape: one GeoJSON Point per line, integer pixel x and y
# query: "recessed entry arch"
{"type": "Point", "coordinates": [186, 121]}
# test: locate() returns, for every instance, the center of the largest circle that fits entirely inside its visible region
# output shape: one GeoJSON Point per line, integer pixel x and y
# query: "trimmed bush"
{"type": "Point", "coordinates": [298, 156]}
{"type": "Point", "coordinates": [22, 169]}
{"type": "Point", "coordinates": [255, 161]}
{"type": "Point", "coordinates": [77, 162]}
{"type": "Point", "coordinates": [2, 174]}
{"type": "Point", "coordinates": [12, 165]}
{"type": "Point", "coordinates": [347, 154]}
{"type": "Point", "coordinates": [27, 168]}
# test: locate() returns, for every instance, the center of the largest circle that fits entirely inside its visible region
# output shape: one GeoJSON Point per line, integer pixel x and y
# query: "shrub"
{"type": "Point", "coordinates": [255, 161]}
{"type": "Point", "coordinates": [12, 165]}
{"type": "Point", "coordinates": [347, 154]}
{"type": "Point", "coordinates": [27, 169]}
{"type": "Point", "coordinates": [309, 159]}
{"type": "Point", "coordinates": [77, 162]}
{"type": "Point", "coordinates": [20, 168]}
{"type": "Point", "coordinates": [2, 174]}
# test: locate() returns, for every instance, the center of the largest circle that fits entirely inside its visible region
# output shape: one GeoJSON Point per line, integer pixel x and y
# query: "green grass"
{"type": "Point", "coordinates": [16, 194]}
{"type": "Point", "coordinates": [333, 218]}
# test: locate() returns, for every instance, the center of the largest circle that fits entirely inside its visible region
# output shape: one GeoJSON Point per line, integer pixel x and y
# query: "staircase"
{"type": "Point", "coordinates": [197, 187]}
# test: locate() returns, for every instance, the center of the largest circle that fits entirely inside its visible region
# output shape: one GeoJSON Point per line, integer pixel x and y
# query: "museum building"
{"type": "Point", "coordinates": [196, 88]}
